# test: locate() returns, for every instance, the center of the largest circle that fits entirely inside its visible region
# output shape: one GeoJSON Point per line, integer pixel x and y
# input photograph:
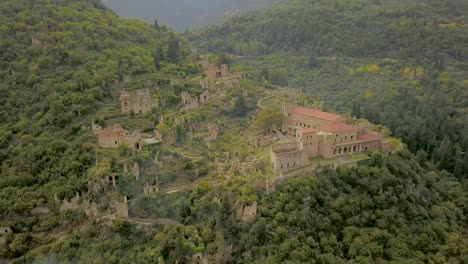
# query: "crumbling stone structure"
{"type": "Point", "coordinates": [90, 208]}
{"type": "Point", "coordinates": [231, 83]}
{"type": "Point", "coordinates": [136, 171]}
{"type": "Point", "coordinates": [190, 102]}
{"type": "Point", "coordinates": [116, 136]}
{"type": "Point", "coordinates": [288, 155]}
{"type": "Point", "coordinates": [121, 209]}
{"type": "Point", "coordinates": [213, 129]}
{"type": "Point", "coordinates": [213, 71]}
{"type": "Point", "coordinates": [113, 180]}
{"type": "Point", "coordinates": [150, 190]}
{"type": "Point", "coordinates": [5, 230]}
{"type": "Point", "coordinates": [247, 213]}
{"type": "Point", "coordinates": [205, 84]}
{"type": "Point", "coordinates": [138, 103]}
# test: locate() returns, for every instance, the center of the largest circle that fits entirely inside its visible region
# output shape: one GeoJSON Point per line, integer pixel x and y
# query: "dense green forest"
{"type": "Point", "coordinates": [58, 61]}
{"type": "Point", "coordinates": [423, 29]}
{"type": "Point", "coordinates": [396, 63]}
{"type": "Point", "coordinates": [393, 211]}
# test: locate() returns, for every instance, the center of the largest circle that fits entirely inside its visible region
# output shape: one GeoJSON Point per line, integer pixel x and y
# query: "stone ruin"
{"type": "Point", "coordinates": [40, 211]}
{"type": "Point", "coordinates": [90, 208]}
{"type": "Point", "coordinates": [150, 190]}
{"type": "Point", "coordinates": [5, 230]}
{"type": "Point", "coordinates": [213, 131]}
{"type": "Point", "coordinates": [113, 180]}
{"type": "Point", "coordinates": [231, 83]}
{"type": "Point", "coordinates": [190, 102]}
{"type": "Point", "coordinates": [212, 71]}
{"type": "Point", "coordinates": [136, 171]}
{"type": "Point", "coordinates": [205, 84]}
{"type": "Point", "coordinates": [240, 75]}
{"type": "Point", "coordinates": [258, 141]}
{"type": "Point", "coordinates": [120, 209]}
{"type": "Point", "coordinates": [247, 213]}
{"type": "Point", "coordinates": [116, 136]}
{"type": "Point", "coordinates": [291, 91]}
{"type": "Point", "coordinates": [252, 165]}
{"type": "Point", "coordinates": [139, 103]}
{"type": "Point", "coordinates": [249, 165]}
{"type": "Point", "coordinates": [199, 259]}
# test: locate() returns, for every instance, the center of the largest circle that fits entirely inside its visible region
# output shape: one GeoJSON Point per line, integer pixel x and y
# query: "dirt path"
{"type": "Point", "coordinates": [143, 221]}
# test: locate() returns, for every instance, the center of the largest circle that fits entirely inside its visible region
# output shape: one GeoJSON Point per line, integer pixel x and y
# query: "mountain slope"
{"type": "Point", "coordinates": [361, 57]}
{"type": "Point", "coordinates": [58, 61]}
{"type": "Point", "coordinates": [380, 29]}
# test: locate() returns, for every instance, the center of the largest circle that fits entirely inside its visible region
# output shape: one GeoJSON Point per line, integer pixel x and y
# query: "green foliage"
{"type": "Point", "coordinates": [59, 61]}
{"type": "Point", "coordinates": [392, 211]}
{"type": "Point", "coordinates": [269, 119]}
{"type": "Point", "coordinates": [372, 29]}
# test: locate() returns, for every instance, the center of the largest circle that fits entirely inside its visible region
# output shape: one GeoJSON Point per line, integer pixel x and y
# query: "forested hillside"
{"type": "Point", "coordinates": [58, 61]}
{"type": "Point", "coordinates": [401, 64]}
{"type": "Point", "coordinates": [423, 30]}
{"type": "Point", "coordinates": [393, 211]}
{"type": "Point", "coordinates": [65, 63]}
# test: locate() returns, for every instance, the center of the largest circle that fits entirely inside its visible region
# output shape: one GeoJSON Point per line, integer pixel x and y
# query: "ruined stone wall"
{"type": "Point", "coordinates": [225, 70]}
{"type": "Point", "coordinates": [139, 103]}
{"type": "Point", "coordinates": [189, 102]}
{"type": "Point", "coordinates": [114, 141]}
{"type": "Point", "coordinates": [249, 212]}
{"type": "Point", "coordinates": [288, 158]}
{"type": "Point", "coordinates": [285, 147]}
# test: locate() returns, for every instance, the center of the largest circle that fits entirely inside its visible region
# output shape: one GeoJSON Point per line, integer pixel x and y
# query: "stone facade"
{"type": "Point", "coordinates": [116, 136]}
{"type": "Point", "coordinates": [150, 190]}
{"type": "Point", "coordinates": [136, 171]}
{"type": "Point", "coordinates": [247, 213]}
{"type": "Point", "coordinates": [90, 208]}
{"type": "Point", "coordinates": [190, 102]}
{"type": "Point", "coordinates": [138, 103]}
{"type": "Point", "coordinates": [287, 156]}
{"type": "Point", "coordinates": [213, 71]}
{"type": "Point", "coordinates": [121, 209]}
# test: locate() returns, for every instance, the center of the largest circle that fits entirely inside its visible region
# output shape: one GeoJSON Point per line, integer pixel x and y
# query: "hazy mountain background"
{"type": "Point", "coordinates": [184, 14]}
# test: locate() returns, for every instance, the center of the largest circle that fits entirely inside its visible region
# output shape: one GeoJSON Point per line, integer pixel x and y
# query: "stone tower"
{"type": "Point", "coordinates": [288, 107]}
{"type": "Point", "coordinates": [225, 70]}
{"type": "Point", "coordinates": [125, 102]}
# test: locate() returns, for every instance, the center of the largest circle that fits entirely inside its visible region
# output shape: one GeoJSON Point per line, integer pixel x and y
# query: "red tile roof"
{"type": "Point", "coordinates": [368, 136]}
{"type": "Point", "coordinates": [316, 114]}
{"type": "Point", "coordinates": [336, 128]}
{"type": "Point", "coordinates": [308, 130]}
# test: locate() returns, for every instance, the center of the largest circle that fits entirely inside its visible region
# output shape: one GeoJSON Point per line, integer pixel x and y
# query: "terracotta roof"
{"type": "Point", "coordinates": [336, 128]}
{"type": "Point", "coordinates": [316, 114]}
{"type": "Point", "coordinates": [368, 136]}
{"type": "Point", "coordinates": [308, 130]}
